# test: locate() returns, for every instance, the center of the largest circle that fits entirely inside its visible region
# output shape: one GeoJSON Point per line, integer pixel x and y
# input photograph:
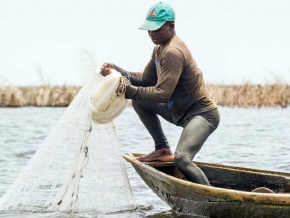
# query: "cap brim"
{"type": "Point", "coordinates": [152, 25]}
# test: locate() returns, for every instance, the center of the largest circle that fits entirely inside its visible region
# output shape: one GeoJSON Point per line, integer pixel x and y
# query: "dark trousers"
{"type": "Point", "coordinates": [196, 131]}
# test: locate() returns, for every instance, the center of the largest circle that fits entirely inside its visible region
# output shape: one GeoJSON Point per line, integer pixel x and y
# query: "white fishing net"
{"type": "Point", "coordinates": [108, 105]}
{"type": "Point", "coordinates": [78, 167]}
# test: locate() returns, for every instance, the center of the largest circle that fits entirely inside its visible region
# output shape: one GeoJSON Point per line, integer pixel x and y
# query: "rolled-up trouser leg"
{"type": "Point", "coordinates": [147, 112]}
{"type": "Point", "coordinates": [192, 138]}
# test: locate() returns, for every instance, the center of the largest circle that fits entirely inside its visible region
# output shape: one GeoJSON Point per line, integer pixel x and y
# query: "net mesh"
{"type": "Point", "coordinates": [107, 105]}
{"type": "Point", "coordinates": [77, 168]}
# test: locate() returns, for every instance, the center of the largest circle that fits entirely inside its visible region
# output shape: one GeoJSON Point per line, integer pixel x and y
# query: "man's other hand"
{"type": "Point", "coordinates": [106, 69]}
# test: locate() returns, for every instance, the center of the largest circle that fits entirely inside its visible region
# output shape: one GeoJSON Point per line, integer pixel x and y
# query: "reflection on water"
{"type": "Point", "coordinates": [257, 138]}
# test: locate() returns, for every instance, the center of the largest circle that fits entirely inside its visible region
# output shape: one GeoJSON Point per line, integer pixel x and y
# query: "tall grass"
{"type": "Point", "coordinates": [41, 96]}
{"type": "Point", "coordinates": [247, 95]}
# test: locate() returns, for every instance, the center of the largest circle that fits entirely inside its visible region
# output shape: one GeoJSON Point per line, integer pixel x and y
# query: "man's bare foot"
{"type": "Point", "coordinates": [164, 155]}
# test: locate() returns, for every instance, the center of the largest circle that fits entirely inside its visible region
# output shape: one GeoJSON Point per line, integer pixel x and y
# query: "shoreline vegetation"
{"type": "Point", "coordinates": [246, 95]}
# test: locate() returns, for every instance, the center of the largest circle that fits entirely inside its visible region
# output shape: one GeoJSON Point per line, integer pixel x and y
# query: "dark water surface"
{"type": "Point", "coordinates": [257, 138]}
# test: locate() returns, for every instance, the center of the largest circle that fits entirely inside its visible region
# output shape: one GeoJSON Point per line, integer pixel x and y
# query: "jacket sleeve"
{"type": "Point", "coordinates": [147, 78]}
{"type": "Point", "coordinates": [169, 70]}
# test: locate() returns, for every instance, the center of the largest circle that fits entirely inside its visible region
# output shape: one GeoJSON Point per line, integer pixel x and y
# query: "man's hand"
{"type": "Point", "coordinates": [106, 69]}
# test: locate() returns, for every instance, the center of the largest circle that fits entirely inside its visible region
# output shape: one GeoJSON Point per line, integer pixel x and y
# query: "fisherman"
{"type": "Point", "coordinates": [173, 87]}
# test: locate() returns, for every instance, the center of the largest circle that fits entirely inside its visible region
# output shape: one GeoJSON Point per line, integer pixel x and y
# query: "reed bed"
{"type": "Point", "coordinates": [40, 96]}
{"type": "Point", "coordinates": [247, 95]}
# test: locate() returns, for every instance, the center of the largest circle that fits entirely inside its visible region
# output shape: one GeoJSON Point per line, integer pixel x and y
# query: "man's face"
{"type": "Point", "coordinates": [163, 34]}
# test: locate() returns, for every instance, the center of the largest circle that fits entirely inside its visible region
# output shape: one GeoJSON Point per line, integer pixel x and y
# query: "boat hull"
{"type": "Point", "coordinates": [195, 199]}
{"type": "Point", "coordinates": [191, 203]}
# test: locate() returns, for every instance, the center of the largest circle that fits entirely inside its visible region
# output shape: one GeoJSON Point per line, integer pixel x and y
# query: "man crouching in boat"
{"type": "Point", "coordinates": [171, 86]}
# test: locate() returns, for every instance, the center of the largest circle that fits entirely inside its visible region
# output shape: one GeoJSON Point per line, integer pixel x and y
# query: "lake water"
{"type": "Point", "coordinates": [249, 137]}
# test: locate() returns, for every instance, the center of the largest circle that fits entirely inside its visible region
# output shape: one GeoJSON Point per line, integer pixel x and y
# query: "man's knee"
{"type": "Point", "coordinates": [137, 105]}
{"type": "Point", "coordinates": [134, 104]}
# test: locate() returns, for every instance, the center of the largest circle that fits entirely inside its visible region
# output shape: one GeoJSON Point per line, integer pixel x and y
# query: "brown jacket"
{"type": "Point", "coordinates": [172, 77]}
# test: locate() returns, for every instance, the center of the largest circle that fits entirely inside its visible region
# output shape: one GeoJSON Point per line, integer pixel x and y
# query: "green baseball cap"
{"type": "Point", "coordinates": [157, 15]}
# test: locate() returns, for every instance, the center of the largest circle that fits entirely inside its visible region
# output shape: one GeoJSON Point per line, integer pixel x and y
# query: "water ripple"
{"type": "Point", "coordinates": [256, 138]}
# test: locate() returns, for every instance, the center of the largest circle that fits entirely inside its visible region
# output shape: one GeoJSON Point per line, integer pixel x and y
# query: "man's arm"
{"type": "Point", "coordinates": [147, 78]}
{"type": "Point", "coordinates": [171, 66]}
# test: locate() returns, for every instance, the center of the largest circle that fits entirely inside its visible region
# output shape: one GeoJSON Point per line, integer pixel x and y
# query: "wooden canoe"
{"type": "Point", "coordinates": [230, 193]}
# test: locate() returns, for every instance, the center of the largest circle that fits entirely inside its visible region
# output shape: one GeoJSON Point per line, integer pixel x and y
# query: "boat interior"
{"type": "Point", "coordinates": [237, 178]}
